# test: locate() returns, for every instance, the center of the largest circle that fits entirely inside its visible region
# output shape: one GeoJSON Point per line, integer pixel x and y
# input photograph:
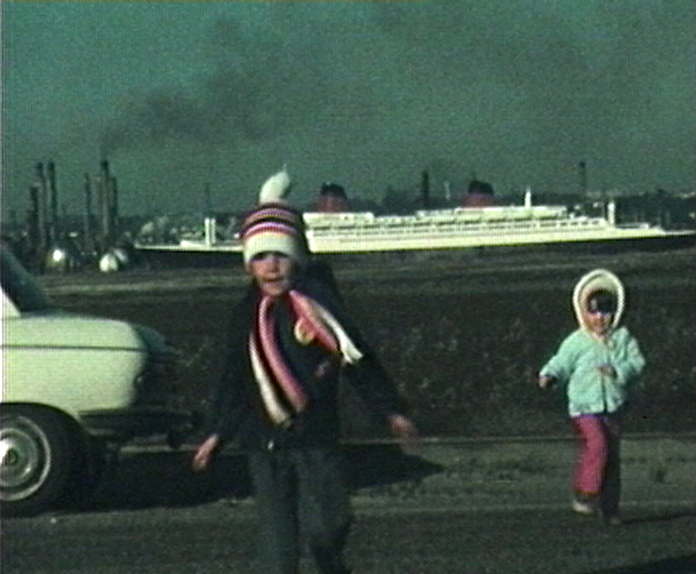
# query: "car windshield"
{"type": "Point", "coordinates": [20, 286]}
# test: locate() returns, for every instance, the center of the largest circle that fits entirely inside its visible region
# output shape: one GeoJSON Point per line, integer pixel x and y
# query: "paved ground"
{"type": "Point", "coordinates": [503, 473]}
{"type": "Point", "coordinates": [220, 537]}
{"type": "Point", "coordinates": [516, 473]}
{"type": "Point", "coordinates": [474, 507]}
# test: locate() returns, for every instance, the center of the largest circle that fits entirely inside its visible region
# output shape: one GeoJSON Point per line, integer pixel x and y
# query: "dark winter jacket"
{"type": "Point", "coordinates": [238, 409]}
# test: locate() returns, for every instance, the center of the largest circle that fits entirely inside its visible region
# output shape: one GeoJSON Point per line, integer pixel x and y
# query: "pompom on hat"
{"type": "Point", "coordinates": [273, 225]}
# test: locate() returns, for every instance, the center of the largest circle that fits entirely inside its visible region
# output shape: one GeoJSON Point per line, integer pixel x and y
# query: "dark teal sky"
{"type": "Point", "coordinates": [181, 94]}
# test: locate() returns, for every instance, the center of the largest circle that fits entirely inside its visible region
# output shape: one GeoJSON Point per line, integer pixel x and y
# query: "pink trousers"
{"type": "Point", "coordinates": [598, 466]}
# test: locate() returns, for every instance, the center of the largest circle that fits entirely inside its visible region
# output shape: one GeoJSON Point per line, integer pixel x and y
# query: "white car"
{"type": "Point", "coordinates": [73, 388]}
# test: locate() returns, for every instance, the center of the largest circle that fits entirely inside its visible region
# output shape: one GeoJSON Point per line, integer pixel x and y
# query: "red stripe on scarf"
{"type": "Point", "coordinates": [290, 386]}
{"type": "Point", "coordinates": [303, 308]}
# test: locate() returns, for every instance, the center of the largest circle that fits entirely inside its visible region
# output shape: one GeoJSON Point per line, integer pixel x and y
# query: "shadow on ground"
{"type": "Point", "coordinates": [148, 480]}
{"type": "Point", "coordinates": [678, 565]}
{"type": "Point", "coordinates": [662, 517]}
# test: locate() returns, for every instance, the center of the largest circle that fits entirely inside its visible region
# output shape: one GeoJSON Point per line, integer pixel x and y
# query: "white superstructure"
{"type": "Point", "coordinates": [460, 227]}
{"type": "Point", "coordinates": [465, 227]}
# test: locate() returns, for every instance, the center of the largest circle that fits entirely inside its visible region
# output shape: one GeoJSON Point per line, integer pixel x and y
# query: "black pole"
{"type": "Point", "coordinates": [425, 188]}
{"type": "Point", "coordinates": [582, 167]}
{"type": "Point", "coordinates": [54, 221]}
{"type": "Point", "coordinates": [104, 207]}
{"type": "Point", "coordinates": [88, 232]}
{"type": "Point", "coordinates": [42, 219]}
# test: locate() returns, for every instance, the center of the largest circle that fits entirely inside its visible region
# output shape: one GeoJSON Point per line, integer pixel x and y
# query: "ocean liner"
{"type": "Point", "coordinates": [334, 231]}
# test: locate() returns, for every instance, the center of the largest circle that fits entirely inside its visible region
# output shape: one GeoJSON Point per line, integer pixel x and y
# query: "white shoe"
{"type": "Point", "coordinates": [586, 508]}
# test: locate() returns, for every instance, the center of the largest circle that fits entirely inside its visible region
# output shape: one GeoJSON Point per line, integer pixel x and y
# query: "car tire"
{"type": "Point", "coordinates": [38, 458]}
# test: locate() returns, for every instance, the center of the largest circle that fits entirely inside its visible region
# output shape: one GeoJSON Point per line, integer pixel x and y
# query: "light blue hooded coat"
{"type": "Point", "coordinates": [576, 363]}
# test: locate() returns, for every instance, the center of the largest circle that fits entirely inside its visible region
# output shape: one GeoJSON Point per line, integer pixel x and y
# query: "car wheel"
{"type": "Point", "coordinates": [36, 459]}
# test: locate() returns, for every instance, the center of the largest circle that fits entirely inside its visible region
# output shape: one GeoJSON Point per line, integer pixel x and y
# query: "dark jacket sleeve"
{"type": "Point", "coordinates": [229, 404]}
{"type": "Point", "coordinates": [375, 386]}
{"type": "Point", "coordinates": [367, 376]}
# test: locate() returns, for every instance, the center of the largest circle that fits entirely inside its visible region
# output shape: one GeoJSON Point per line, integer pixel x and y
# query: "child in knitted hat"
{"type": "Point", "coordinates": [598, 364]}
{"type": "Point", "coordinates": [290, 339]}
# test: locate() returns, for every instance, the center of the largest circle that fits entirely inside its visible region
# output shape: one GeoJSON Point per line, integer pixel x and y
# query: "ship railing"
{"type": "Point", "coordinates": [575, 224]}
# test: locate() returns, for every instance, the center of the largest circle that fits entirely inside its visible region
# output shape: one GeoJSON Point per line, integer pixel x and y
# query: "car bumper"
{"type": "Point", "coordinates": [126, 424]}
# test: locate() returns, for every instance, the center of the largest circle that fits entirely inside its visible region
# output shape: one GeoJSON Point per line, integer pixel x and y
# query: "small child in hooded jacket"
{"type": "Point", "coordinates": [598, 364]}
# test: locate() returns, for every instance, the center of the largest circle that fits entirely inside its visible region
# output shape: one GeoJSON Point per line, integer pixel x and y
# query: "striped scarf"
{"type": "Point", "coordinates": [283, 395]}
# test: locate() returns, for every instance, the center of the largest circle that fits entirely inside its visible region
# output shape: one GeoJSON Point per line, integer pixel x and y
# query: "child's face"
{"type": "Point", "coordinates": [273, 272]}
{"type": "Point", "coordinates": [599, 322]}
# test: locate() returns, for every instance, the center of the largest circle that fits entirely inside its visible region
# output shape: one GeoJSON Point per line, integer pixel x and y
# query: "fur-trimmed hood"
{"type": "Point", "coordinates": [593, 281]}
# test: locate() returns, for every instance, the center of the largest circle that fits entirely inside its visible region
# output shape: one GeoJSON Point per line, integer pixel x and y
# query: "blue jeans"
{"type": "Point", "coordinates": [301, 491]}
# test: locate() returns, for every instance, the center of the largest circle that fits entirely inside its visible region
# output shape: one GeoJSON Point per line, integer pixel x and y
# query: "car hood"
{"type": "Point", "coordinates": [61, 329]}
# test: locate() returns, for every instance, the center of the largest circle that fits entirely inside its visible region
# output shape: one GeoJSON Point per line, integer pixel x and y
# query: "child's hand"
{"type": "Point", "coordinates": [205, 453]}
{"type": "Point", "coordinates": [326, 368]}
{"type": "Point", "coordinates": [402, 427]}
{"type": "Point", "coordinates": [546, 381]}
{"type": "Point", "coordinates": [607, 371]}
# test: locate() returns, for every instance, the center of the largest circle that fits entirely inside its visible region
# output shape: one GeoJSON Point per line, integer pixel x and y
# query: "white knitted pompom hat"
{"type": "Point", "coordinates": [273, 225]}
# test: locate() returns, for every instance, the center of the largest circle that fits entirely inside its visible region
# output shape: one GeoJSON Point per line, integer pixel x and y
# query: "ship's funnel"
{"type": "Point", "coordinates": [479, 194]}
{"type": "Point", "coordinates": [332, 198]}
